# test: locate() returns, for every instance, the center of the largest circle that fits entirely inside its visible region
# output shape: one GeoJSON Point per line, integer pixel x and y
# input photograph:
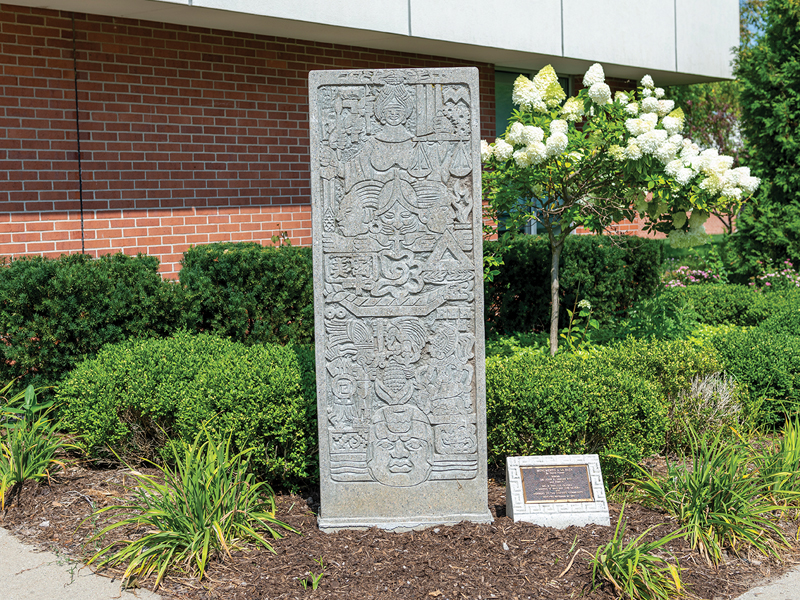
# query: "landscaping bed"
{"type": "Point", "coordinates": [500, 560]}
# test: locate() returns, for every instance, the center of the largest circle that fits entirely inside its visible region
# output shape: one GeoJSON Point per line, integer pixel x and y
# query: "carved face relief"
{"type": "Point", "coordinates": [400, 451]}
{"type": "Point", "coordinates": [352, 216]}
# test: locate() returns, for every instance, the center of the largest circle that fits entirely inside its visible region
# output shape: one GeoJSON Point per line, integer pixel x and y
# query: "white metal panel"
{"type": "Point", "coordinates": [522, 25]}
{"type": "Point", "coordinates": [639, 33]}
{"type": "Point", "coordinates": [706, 31]}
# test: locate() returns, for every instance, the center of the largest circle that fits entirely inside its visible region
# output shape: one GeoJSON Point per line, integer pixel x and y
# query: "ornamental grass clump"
{"type": "Point", "coordinates": [28, 441]}
{"type": "Point", "coordinates": [634, 569]}
{"type": "Point", "coordinates": [780, 465]}
{"type": "Point", "coordinates": [593, 160]}
{"type": "Point", "coordinates": [720, 499]}
{"type": "Point", "coordinates": [207, 505]}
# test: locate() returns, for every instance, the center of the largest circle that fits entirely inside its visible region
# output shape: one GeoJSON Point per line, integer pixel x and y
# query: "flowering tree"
{"type": "Point", "coordinates": [591, 160]}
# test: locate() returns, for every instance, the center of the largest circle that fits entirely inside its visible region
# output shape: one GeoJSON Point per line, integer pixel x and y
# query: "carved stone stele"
{"type": "Point", "coordinates": [398, 297]}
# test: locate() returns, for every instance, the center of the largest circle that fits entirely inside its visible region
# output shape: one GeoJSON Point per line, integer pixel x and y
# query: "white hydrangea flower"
{"type": "Point", "coordinates": [637, 126]}
{"type": "Point", "coordinates": [734, 193]}
{"type": "Point", "coordinates": [712, 184]}
{"type": "Point", "coordinates": [750, 184]}
{"type": "Point", "coordinates": [647, 93]}
{"type": "Point", "coordinates": [650, 105]}
{"type": "Point", "coordinates": [572, 109]}
{"type": "Point", "coordinates": [632, 108]}
{"type": "Point", "coordinates": [724, 162]}
{"type": "Point", "coordinates": [514, 135]}
{"type": "Point", "coordinates": [690, 149]}
{"type": "Point", "coordinates": [558, 126]}
{"type": "Point", "coordinates": [622, 98]}
{"type": "Point", "coordinates": [594, 75]}
{"type": "Point", "coordinates": [650, 141]}
{"type": "Point", "coordinates": [502, 150]}
{"type": "Point", "coordinates": [744, 180]}
{"type": "Point", "coordinates": [521, 89]}
{"type": "Point", "coordinates": [672, 167]}
{"type": "Point", "coordinates": [665, 107]}
{"type": "Point", "coordinates": [531, 135]}
{"type": "Point", "coordinates": [666, 152]}
{"type": "Point", "coordinates": [659, 92]}
{"type": "Point", "coordinates": [698, 235]}
{"type": "Point", "coordinates": [651, 119]}
{"type": "Point", "coordinates": [617, 152]}
{"type": "Point", "coordinates": [556, 144]}
{"type": "Point", "coordinates": [486, 151]}
{"type": "Point", "coordinates": [522, 158]}
{"type": "Point", "coordinates": [547, 82]}
{"type": "Point", "coordinates": [633, 152]}
{"type": "Point", "coordinates": [600, 93]}
{"type": "Point", "coordinates": [672, 125]}
{"type": "Point", "coordinates": [528, 95]}
{"type": "Point", "coordinates": [640, 125]}
{"type": "Point", "coordinates": [647, 82]}
{"type": "Point", "coordinates": [537, 152]}
{"type": "Point", "coordinates": [684, 175]}
{"type": "Point", "coordinates": [676, 138]}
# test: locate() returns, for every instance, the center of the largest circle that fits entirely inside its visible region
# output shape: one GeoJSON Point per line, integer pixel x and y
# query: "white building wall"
{"type": "Point", "coordinates": [676, 41]}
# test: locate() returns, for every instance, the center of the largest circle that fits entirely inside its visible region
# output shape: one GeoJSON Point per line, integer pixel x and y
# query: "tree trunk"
{"type": "Point", "coordinates": [556, 248]}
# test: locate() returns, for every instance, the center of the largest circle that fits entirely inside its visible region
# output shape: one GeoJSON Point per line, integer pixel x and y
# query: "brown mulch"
{"type": "Point", "coordinates": [509, 560]}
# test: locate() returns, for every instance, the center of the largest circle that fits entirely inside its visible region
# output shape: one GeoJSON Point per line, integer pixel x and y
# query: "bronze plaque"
{"type": "Point", "coordinates": [554, 483]}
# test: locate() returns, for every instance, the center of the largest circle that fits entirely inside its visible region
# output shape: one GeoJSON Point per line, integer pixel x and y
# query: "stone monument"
{"type": "Point", "coordinates": [398, 297]}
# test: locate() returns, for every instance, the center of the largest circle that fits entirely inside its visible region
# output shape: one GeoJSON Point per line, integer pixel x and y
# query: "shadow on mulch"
{"type": "Point", "coordinates": [509, 560]}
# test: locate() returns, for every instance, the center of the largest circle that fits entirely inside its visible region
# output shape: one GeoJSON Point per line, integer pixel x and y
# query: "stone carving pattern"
{"type": "Point", "coordinates": [399, 278]}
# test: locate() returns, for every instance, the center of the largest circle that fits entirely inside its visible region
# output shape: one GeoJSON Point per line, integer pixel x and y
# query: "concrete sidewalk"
{"type": "Point", "coordinates": [28, 574]}
{"type": "Point", "coordinates": [786, 587]}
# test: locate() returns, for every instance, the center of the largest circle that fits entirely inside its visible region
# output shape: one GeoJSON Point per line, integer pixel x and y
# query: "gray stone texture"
{"type": "Point", "coordinates": [556, 514]}
{"type": "Point", "coordinates": [398, 297]}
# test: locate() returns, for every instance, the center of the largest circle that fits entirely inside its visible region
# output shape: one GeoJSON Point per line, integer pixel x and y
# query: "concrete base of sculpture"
{"type": "Point", "coordinates": [400, 525]}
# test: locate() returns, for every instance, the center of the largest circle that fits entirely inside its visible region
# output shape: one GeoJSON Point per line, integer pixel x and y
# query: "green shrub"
{"type": "Point", "coordinates": [669, 364]}
{"type": "Point", "coordinates": [661, 317]}
{"type": "Point", "coordinates": [55, 313]}
{"type": "Point", "coordinates": [250, 293]}
{"type": "Point", "coordinates": [138, 395]}
{"type": "Point", "coordinates": [728, 304]}
{"type": "Point", "coordinates": [768, 363]}
{"type": "Point", "coordinates": [786, 320]}
{"type": "Point", "coordinates": [611, 272]}
{"type": "Point", "coordinates": [718, 304]}
{"type": "Point", "coordinates": [565, 405]}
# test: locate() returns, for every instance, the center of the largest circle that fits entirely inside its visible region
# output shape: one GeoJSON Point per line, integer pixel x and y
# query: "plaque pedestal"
{"type": "Point", "coordinates": [556, 491]}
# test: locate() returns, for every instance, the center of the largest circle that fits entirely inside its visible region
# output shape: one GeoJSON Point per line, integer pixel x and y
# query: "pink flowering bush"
{"type": "Point", "coordinates": [685, 276]}
{"type": "Point", "coordinates": [776, 278]}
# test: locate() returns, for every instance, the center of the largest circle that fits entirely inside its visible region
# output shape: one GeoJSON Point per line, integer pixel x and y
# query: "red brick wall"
{"type": "Point", "coordinates": [188, 135]}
